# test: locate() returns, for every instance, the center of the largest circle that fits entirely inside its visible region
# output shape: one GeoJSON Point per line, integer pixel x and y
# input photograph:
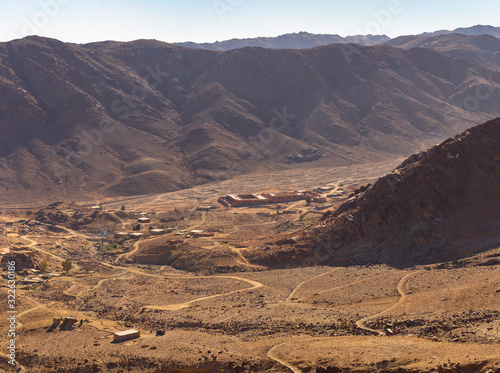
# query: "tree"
{"type": "Point", "coordinates": [308, 199]}
{"type": "Point", "coordinates": [123, 208]}
{"type": "Point", "coordinates": [43, 266]}
{"type": "Point", "coordinates": [67, 264]}
{"type": "Point", "coordinates": [136, 227]}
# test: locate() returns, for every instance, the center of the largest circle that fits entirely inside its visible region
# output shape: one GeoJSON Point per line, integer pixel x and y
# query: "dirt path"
{"type": "Point", "coordinates": [198, 225]}
{"type": "Point", "coordinates": [350, 284]}
{"type": "Point", "coordinates": [173, 307]}
{"type": "Point", "coordinates": [25, 312]}
{"type": "Point", "coordinates": [272, 355]}
{"type": "Point", "coordinates": [401, 287]}
{"type": "Point", "coordinates": [245, 262]}
{"type": "Point", "coordinates": [134, 250]}
{"type": "Point", "coordinates": [299, 286]}
{"type": "Point", "coordinates": [179, 306]}
{"type": "Point", "coordinates": [403, 283]}
{"type": "Point", "coordinates": [34, 243]}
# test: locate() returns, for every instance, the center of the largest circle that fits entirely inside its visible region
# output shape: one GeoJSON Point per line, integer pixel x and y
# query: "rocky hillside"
{"type": "Point", "coordinates": [483, 50]}
{"type": "Point", "coordinates": [114, 119]}
{"type": "Point", "coordinates": [438, 205]}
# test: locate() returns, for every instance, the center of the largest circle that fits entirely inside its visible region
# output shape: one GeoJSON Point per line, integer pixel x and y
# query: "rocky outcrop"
{"type": "Point", "coordinates": [68, 215]}
{"type": "Point", "coordinates": [428, 209]}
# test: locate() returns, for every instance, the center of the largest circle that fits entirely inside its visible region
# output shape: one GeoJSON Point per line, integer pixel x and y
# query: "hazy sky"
{"type": "Point", "coordinates": [210, 20]}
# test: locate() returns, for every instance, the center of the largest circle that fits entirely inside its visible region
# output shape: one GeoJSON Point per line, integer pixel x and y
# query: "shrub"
{"type": "Point", "coordinates": [67, 264]}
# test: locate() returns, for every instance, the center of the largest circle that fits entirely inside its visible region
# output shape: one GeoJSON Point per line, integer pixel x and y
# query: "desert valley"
{"type": "Point", "coordinates": [196, 208]}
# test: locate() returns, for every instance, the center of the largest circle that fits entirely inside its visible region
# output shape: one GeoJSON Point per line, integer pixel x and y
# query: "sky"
{"type": "Point", "coordinates": [83, 21]}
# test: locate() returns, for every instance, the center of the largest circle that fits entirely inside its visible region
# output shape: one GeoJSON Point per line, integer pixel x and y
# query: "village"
{"type": "Point", "coordinates": [78, 224]}
{"type": "Point", "coordinates": [136, 277]}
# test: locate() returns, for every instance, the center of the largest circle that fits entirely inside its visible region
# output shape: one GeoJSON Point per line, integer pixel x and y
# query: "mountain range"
{"type": "Point", "coordinates": [304, 40]}
{"type": "Point", "coordinates": [300, 40]}
{"type": "Point", "coordinates": [118, 119]}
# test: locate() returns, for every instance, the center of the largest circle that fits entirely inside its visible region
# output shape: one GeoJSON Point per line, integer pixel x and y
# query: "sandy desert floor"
{"type": "Point", "coordinates": [441, 317]}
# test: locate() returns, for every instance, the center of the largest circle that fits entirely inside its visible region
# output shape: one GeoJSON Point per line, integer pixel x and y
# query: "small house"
{"type": "Point", "coordinates": [135, 235]}
{"type": "Point", "coordinates": [157, 231]}
{"type": "Point", "coordinates": [126, 335]}
{"type": "Point", "coordinates": [120, 234]}
{"type": "Point", "coordinates": [69, 320]}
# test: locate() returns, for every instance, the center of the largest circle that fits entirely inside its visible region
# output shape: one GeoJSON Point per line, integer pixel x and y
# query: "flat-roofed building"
{"type": "Point", "coordinates": [281, 197]}
{"type": "Point", "coordinates": [236, 200]}
{"type": "Point", "coordinates": [135, 235]}
{"type": "Point", "coordinates": [200, 233]}
{"type": "Point", "coordinates": [239, 200]}
{"type": "Point", "coordinates": [126, 335]}
{"type": "Point", "coordinates": [157, 231]}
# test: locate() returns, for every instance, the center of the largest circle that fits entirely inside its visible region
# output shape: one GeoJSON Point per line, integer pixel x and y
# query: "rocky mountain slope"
{"type": "Point", "coordinates": [300, 40]}
{"type": "Point", "coordinates": [438, 205]}
{"type": "Point", "coordinates": [473, 30]}
{"type": "Point", "coordinates": [481, 50]}
{"type": "Point", "coordinates": [113, 119]}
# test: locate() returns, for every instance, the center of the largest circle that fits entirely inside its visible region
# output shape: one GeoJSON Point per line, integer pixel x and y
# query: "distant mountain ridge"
{"type": "Point", "coordinates": [305, 40]}
{"type": "Point", "coordinates": [483, 50]}
{"type": "Point", "coordinates": [301, 40]}
{"type": "Point", "coordinates": [472, 31]}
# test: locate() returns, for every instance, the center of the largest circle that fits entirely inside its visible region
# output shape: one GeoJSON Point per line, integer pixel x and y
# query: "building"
{"type": "Point", "coordinates": [126, 335]}
{"type": "Point", "coordinates": [136, 235]}
{"type": "Point", "coordinates": [200, 233]}
{"type": "Point", "coordinates": [120, 234]}
{"type": "Point", "coordinates": [69, 320]}
{"type": "Point", "coordinates": [144, 220]}
{"type": "Point", "coordinates": [239, 200]}
{"type": "Point", "coordinates": [205, 208]}
{"type": "Point", "coordinates": [157, 232]}
{"type": "Point", "coordinates": [281, 197]}
{"type": "Point", "coordinates": [319, 199]}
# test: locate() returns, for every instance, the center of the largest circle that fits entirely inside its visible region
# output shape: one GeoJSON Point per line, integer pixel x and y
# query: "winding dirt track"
{"type": "Point", "coordinates": [244, 261]}
{"type": "Point", "coordinates": [403, 283]}
{"type": "Point", "coordinates": [35, 307]}
{"type": "Point", "coordinates": [299, 286]}
{"type": "Point", "coordinates": [272, 355]}
{"type": "Point", "coordinates": [34, 243]}
{"type": "Point", "coordinates": [403, 295]}
{"type": "Point", "coordinates": [179, 306]}
{"type": "Point", "coordinates": [134, 250]}
{"type": "Point", "coordinates": [350, 284]}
